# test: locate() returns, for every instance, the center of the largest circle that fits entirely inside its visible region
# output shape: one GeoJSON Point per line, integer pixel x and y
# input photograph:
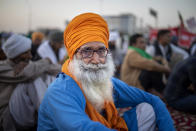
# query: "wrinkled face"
{"type": "Point", "coordinates": [92, 53]}
{"type": "Point", "coordinates": [24, 57]}
{"type": "Point", "coordinates": [93, 68]}
{"type": "Point", "coordinates": [140, 43]}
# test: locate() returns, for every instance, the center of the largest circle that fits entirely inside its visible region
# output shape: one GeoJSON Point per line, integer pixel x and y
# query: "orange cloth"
{"type": "Point", "coordinates": [36, 35]}
{"type": "Point", "coordinates": [85, 28]}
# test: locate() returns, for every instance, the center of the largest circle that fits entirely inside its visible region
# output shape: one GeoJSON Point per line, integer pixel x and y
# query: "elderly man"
{"type": "Point", "coordinates": [22, 84]}
{"type": "Point", "coordinates": [85, 96]}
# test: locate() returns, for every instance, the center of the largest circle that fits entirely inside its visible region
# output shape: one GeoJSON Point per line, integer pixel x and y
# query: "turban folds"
{"type": "Point", "coordinates": [87, 27]}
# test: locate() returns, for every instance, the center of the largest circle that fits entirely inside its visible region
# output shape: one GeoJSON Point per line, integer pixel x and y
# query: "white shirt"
{"type": "Point", "coordinates": [45, 51]}
{"type": "Point", "coordinates": [151, 50]}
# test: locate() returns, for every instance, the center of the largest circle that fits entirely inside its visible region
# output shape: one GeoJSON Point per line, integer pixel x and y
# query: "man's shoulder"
{"type": "Point", "coordinates": [44, 44]}
{"type": "Point", "coordinates": [63, 81]}
{"type": "Point", "coordinates": [150, 49]}
{"type": "Point", "coordinates": [5, 66]}
{"type": "Point", "coordinates": [43, 48]}
{"type": "Point", "coordinates": [64, 84]}
{"type": "Point", "coordinates": [185, 65]}
{"type": "Point", "coordinates": [63, 90]}
{"type": "Point", "coordinates": [132, 53]}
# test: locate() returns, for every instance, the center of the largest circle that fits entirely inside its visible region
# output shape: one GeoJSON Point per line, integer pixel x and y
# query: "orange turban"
{"type": "Point", "coordinates": [36, 35]}
{"type": "Point", "coordinates": [87, 27]}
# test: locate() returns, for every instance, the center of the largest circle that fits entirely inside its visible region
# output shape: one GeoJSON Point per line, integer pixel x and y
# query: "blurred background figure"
{"type": "Point", "coordinates": [2, 54]}
{"type": "Point", "coordinates": [37, 38]}
{"type": "Point", "coordinates": [115, 50]}
{"type": "Point", "coordinates": [180, 91]}
{"type": "Point", "coordinates": [140, 70]}
{"type": "Point", "coordinates": [163, 47]}
{"type": "Point", "coordinates": [3, 37]}
{"type": "Point", "coordinates": [174, 40]}
{"type": "Point", "coordinates": [192, 49]}
{"type": "Point", "coordinates": [53, 48]}
{"type": "Point", "coordinates": [22, 84]}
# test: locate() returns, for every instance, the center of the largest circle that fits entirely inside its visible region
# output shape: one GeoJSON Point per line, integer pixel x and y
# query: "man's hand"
{"type": "Point", "coordinates": [157, 58]}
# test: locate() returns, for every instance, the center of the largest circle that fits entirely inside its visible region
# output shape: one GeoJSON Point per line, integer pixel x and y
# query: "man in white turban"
{"type": "Point", "coordinates": [22, 84]}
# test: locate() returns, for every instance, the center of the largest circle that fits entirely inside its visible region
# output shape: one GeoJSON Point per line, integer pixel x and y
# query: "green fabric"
{"type": "Point", "coordinates": [141, 52]}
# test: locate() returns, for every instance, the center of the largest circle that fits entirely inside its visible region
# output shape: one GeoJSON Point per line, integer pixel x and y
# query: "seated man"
{"type": "Point", "coordinates": [22, 84]}
{"type": "Point", "coordinates": [164, 48]}
{"type": "Point", "coordinates": [52, 48]}
{"type": "Point", "coordinates": [180, 92]}
{"type": "Point", "coordinates": [140, 70]}
{"type": "Point", "coordinates": [85, 96]}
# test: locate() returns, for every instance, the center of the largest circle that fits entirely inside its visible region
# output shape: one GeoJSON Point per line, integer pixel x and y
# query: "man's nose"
{"type": "Point", "coordinates": [95, 58]}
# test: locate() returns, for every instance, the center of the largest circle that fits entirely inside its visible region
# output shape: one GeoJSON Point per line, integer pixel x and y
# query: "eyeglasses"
{"type": "Point", "coordinates": [88, 52]}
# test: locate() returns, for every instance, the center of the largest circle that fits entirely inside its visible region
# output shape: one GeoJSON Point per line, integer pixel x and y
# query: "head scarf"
{"type": "Point", "coordinates": [90, 27]}
{"type": "Point", "coordinates": [36, 35]}
{"type": "Point", "coordinates": [16, 45]}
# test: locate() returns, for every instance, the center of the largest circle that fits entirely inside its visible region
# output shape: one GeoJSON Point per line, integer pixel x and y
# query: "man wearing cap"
{"type": "Point", "coordinates": [85, 96]}
{"type": "Point", "coordinates": [21, 84]}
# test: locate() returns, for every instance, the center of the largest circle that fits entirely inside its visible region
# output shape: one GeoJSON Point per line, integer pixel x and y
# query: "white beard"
{"type": "Point", "coordinates": [95, 80]}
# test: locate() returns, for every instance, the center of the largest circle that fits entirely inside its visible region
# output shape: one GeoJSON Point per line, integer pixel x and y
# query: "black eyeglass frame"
{"type": "Point", "coordinates": [91, 52]}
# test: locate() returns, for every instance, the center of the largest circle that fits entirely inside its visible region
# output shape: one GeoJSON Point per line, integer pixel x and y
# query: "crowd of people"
{"type": "Point", "coordinates": [90, 78]}
{"type": "Point", "coordinates": [162, 69]}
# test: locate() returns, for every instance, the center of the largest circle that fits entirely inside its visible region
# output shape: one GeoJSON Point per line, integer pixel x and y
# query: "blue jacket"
{"type": "Point", "coordinates": [63, 107]}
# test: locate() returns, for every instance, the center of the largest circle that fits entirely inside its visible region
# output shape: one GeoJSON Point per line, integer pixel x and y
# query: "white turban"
{"type": "Point", "coordinates": [16, 45]}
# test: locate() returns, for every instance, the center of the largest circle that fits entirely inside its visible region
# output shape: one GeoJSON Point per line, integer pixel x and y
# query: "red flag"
{"type": "Point", "coordinates": [185, 38]}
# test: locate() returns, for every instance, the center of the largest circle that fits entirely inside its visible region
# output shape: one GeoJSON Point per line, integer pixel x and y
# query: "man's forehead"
{"type": "Point", "coordinates": [94, 44]}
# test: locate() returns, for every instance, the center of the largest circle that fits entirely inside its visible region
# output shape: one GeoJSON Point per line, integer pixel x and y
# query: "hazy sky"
{"type": "Point", "coordinates": [20, 15]}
